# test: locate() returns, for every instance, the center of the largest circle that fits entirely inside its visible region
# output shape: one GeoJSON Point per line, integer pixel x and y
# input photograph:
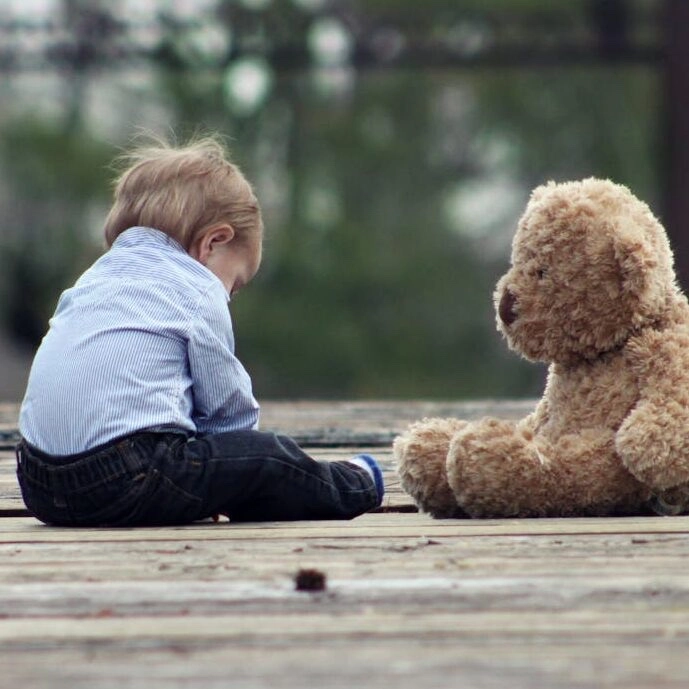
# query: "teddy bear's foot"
{"type": "Point", "coordinates": [421, 454]}
{"type": "Point", "coordinates": [499, 469]}
{"type": "Point", "coordinates": [495, 470]}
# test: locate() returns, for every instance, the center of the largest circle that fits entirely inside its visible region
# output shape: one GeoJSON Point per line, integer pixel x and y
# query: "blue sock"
{"type": "Point", "coordinates": [374, 471]}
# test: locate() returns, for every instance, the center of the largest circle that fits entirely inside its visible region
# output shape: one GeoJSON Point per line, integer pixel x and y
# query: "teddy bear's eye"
{"type": "Point", "coordinates": [541, 273]}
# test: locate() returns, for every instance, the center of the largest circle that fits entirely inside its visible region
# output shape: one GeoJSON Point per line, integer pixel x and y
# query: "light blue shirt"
{"type": "Point", "coordinates": [142, 340]}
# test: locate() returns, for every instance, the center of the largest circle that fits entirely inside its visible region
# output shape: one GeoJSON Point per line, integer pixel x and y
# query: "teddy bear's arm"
{"type": "Point", "coordinates": [653, 440]}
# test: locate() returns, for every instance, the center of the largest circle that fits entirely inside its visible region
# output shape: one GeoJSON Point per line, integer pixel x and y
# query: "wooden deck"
{"type": "Point", "coordinates": [409, 601]}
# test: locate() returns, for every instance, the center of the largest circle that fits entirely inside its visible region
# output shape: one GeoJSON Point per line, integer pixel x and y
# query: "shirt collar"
{"type": "Point", "coordinates": [149, 236]}
{"type": "Point", "coordinates": [146, 235]}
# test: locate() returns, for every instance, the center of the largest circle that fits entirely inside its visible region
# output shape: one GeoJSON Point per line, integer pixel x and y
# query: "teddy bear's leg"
{"type": "Point", "coordinates": [499, 469]}
{"type": "Point", "coordinates": [421, 454]}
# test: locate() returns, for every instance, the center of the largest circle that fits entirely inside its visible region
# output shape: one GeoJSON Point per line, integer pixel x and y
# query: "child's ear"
{"type": "Point", "coordinates": [210, 239]}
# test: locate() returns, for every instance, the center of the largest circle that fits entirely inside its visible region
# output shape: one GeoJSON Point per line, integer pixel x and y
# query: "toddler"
{"type": "Point", "coordinates": [137, 411]}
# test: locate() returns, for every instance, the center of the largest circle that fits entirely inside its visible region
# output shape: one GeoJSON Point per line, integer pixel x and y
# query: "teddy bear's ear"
{"type": "Point", "coordinates": [633, 255]}
{"type": "Point", "coordinates": [646, 273]}
{"type": "Point", "coordinates": [540, 192]}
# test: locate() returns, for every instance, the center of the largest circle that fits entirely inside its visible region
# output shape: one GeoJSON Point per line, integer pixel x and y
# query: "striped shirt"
{"type": "Point", "coordinates": [142, 340]}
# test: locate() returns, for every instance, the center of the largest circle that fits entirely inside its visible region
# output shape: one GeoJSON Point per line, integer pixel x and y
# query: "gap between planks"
{"type": "Point", "coordinates": [382, 525]}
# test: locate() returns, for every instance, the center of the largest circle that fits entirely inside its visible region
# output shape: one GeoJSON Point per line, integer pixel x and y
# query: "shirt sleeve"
{"type": "Point", "coordinates": [222, 393]}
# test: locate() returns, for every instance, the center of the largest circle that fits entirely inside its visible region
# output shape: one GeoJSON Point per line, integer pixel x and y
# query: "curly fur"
{"type": "Point", "coordinates": [592, 292]}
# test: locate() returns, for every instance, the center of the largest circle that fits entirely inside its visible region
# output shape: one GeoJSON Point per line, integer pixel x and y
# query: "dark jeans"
{"type": "Point", "coordinates": [150, 479]}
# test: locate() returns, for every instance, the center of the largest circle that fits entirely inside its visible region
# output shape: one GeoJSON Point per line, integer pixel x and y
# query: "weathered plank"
{"type": "Point", "coordinates": [418, 560]}
{"type": "Point", "coordinates": [409, 601]}
{"type": "Point", "coordinates": [372, 422]}
{"type": "Point", "coordinates": [516, 611]}
{"type": "Point", "coordinates": [434, 662]}
{"type": "Point", "coordinates": [9, 413]}
{"type": "Point", "coordinates": [580, 610]}
{"type": "Point", "coordinates": [460, 592]}
{"type": "Point", "coordinates": [621, 624]}
{"type": "Point", "coordinates": [371, 525]}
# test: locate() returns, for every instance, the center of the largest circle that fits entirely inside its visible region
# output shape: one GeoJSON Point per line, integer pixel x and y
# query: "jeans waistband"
{"type": "Point", "coordinates": [129, 455]}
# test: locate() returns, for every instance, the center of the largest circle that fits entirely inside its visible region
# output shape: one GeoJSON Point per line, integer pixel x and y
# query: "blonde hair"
{"type": "Point", "coordinates": [181, 191]}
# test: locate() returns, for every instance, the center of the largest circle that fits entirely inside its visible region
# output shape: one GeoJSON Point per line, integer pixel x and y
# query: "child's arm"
{"type": "Point", "coordinates": [223, 397]}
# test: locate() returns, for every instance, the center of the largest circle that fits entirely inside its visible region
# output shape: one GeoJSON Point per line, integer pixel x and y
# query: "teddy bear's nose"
{"type": "Point", "coordinates": [506, 308]}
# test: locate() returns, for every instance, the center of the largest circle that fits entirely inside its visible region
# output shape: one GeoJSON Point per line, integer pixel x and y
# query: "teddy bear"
{"type": "Point", "coordinates": [592, 292]}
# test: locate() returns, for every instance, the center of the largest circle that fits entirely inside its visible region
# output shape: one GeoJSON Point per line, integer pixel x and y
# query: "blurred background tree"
{"type": "Point", "coordinates": [392, 143]}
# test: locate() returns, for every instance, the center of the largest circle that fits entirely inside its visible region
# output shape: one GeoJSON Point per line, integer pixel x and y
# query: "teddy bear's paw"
{"type": "Point", "coordinates": [421, 454]}
{"type": "Point", "coordinates": [653, 443]}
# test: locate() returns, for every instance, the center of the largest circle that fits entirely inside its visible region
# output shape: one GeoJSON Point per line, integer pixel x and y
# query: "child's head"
{"type": "Point", "coordinates": [183, 191]}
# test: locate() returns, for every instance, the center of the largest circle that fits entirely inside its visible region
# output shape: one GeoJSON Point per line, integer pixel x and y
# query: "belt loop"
{"type": "Point", "coordinates": [31, 466]}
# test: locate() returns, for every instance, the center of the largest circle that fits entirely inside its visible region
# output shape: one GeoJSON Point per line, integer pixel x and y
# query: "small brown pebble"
{"type": "Point", "coordinates": [310, 580]}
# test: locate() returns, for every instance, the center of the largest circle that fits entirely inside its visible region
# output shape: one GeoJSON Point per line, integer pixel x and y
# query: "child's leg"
{"type": "Point", "coordinates": [155, 479]}
{"type": "Point", "coordinates": [254, 476]}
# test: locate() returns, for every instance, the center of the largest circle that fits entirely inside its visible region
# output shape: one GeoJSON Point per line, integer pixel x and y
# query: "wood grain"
{"type": "Point", "coordinates": [409, 601]}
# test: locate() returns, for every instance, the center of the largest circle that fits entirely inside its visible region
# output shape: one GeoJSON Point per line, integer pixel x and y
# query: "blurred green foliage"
{"type": "Point", "coordinates": [389, 196]}
{"type": "Point", "coordinates": [51, 175]}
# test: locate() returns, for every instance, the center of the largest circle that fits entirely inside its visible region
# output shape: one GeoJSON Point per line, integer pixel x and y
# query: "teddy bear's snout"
{"type": "Point", "coordinates": [506, 308]}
